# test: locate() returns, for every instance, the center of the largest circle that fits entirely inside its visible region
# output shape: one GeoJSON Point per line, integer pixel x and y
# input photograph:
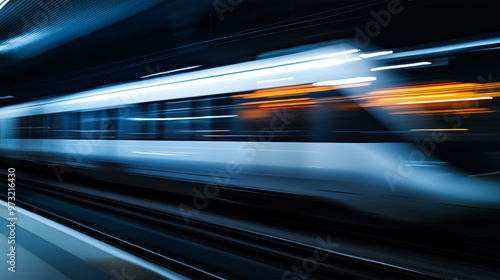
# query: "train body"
{"type": "Point", "coordinates": [321, 122]}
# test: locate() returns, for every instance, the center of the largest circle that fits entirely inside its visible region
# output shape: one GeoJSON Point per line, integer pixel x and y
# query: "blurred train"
{"type": "Point", "coordinates": [404, 135]}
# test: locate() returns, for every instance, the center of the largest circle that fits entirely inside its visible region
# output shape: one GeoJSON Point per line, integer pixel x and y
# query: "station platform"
{"type": "Point", "coordinates": [46, 250]}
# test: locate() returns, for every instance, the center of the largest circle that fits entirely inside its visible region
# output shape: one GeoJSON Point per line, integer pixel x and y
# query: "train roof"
{"type": "Point", "coordinates": [267, 67]}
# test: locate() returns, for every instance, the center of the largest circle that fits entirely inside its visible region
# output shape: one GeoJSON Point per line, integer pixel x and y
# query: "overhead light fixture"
{"type": "Point", "coordinates": [172, 71]}
{"type": "Point", "coordinates": [401, 66]}
{"type": "Point", "coordinates": [2, 3]}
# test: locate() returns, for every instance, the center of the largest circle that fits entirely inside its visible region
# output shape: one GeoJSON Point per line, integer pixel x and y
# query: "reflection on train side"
{"type": "Point", "coordinates": [467, 108]}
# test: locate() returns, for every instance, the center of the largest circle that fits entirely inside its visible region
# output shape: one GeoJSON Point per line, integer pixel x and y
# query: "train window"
{"type": "Point", "coordinates": [58, 126]}
{"type": "Point", "coordinates": [62, 126]}
{"type": "Point", "coordinates": [15, 131]}
{"type": "Point", "coordinates": [30, 127]}
{"type": "Point", "coordinates": [111, 124]}
{"type": "Point", "coordinates": [36, 127]}
{"type": "Point", "coordinates": [73, 125]}
{"type": "Point", "coordinates": [47, 127]}
{"type": "Point", "coordinates": [50, 126]}
{"type": "Point", "coordinates": [24, 127]}
{"type": "Point", "coordinates": [222, 126]}
{"type": "Point", "coordinates": [131, 122]}
{"type": "Point", "coordinates": [178, 120]}
{"type": "Point", "coordinates": [310, 117]}
{"type": "Point", "coordinates": [274, 119]}
{"type": "Point", "coordinates": [91, 122]}
{"type": "Point", "coordinates": [140, 121]}
{"type": "Point", "coordinates": [17, 128]}
{"type": "Point", "coordinates": [128, 126]}
{"type": "Point", "coordinates": [297, 124]}
{"type": "Point", "coordinates": [200, 123]}
{"type": "Point", "coordinates": [341, 119]}
{"type": "Point", "coordinates": [150, 126]}
{"type": "Point", "coordinates": [303, 115]}
{"type": "Point", "coordinates": [100, 125]}
{"type": "Point", "coordinates": [149, 121]}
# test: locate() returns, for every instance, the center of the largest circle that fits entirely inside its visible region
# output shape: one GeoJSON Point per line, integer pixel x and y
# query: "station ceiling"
{"type": "Point", "coordinates": [57, 47]}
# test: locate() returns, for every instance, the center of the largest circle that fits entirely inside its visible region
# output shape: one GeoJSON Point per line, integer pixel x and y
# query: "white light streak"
{"type": "Point", "coordinates": [276, 80]}
{"type": "Point", "coordinates": [172, 71]}
{"type": "Point", "coordinates": [446, 100]}
{"type": "Point", "coordinates": [319, 58]}
{"type": "Point", "coordinates": [180, 119]}
{"type": "Point", "coordinates": [2, 3]}
{"type": "Point", "coordinates": [178, 154]}
{"type": "Point", "coordinates": [331, 55]}
{"type": "Point", "coordinates": [368, 55]}
{"type": "Point", "coordinates": [449, 48]}
{"type": "Point", "coordinates": [7, 97]}
{"type": "Point", "coordinates": [401, 66]}
{"type": "Point", "coordinates": [346, 81]}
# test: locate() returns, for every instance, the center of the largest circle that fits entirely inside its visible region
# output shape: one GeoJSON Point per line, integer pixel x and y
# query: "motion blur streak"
{"type": "Point", "coordinates": [172, 71]}
{"type": "Point", "coordinates": [276, 101]}
{"type": "Point", "coordinates": [181, 119]}
{"type": "Point", "coordinates": [326, 56]}
{"type": "Point", "coordinates": [346, 81]}
{"type": "Point", "coordinates": [432, 93]}
{"type": "Point", "coordinates": [401, 66]}
{"type": "Point", "coordinates": [451, 111]}
{"type": "Point", "coordinates": [486, 43]}
{"type": "Point", "coordinates": [288, 105]}
{"type": "Point", "coordinates": [276, 80]}
{"type": "Point", "coordinates": [2, 3]}
{"type": "Point", "coordinates": [446, 100]}
{"type": "Point", "coordinates": [284, 91]}
{"type": "Point", "coordinates": [368, 55]}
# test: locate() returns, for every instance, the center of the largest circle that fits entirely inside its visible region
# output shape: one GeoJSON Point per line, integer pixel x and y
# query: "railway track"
{"type": "Point", "coordinates": [200, 250]}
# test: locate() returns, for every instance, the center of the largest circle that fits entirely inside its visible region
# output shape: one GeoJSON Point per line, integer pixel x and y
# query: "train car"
{"type": "Point", "coordinates": [325, 121]}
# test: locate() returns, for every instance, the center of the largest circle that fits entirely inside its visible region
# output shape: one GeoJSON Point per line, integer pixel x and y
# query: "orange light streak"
{"type": "Point", "coordinates": [436, 94]}
{"type": "Point", "coordinates": [453, 111]}
{"type": "Point", "coordinates": [294, 90]}
{"type": "Point", "coordinates": [276, 101]}
{"type": "Point", "coordinates": [286, 104]}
